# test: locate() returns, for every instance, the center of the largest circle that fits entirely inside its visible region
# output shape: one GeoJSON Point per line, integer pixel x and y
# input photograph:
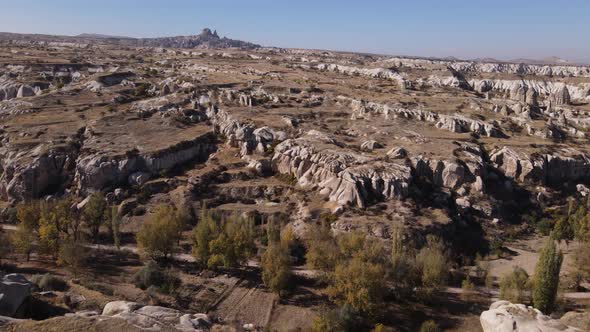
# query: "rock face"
{"type": "Point", "coordinates": [504, 316]}
{"type": "Point", "coordinates": [546, 169]}
{"type": "Point", "coordinates": [98, 171]}
{"type": "Point", "coordinates": [452, 122]}
{"type": "Point", "coordinates": [14, 292]}
{"type": "Point", "coordinates": [345, 177]}
{"type": "Point", "coordinates": [26, 177]}
{"type": "Point", "coordinates": [498, 67]}
{"type": "Point", "coordinates": [382, 73]}
{"type": "Point", "coordinates": [11, 90]}
{"type": "Point", "coordinates": [561, 96]}
{"type": "Point", "coordinates": [243, 135]}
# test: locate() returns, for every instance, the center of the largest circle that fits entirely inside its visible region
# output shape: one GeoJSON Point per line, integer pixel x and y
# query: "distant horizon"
{"type": "Point", "coordinates": [451, 57]}
{"type": "Point", "coordinates": [462, 29]}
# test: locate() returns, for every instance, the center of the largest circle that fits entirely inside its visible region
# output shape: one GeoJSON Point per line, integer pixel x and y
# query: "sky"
{"type": "Point", "coordinates": [502, 29]}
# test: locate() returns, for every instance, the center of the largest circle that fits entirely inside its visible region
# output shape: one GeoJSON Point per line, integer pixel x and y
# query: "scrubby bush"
{"type": "Point", "coordinates": [563, 230]}
{"type": "Point", "coordinates": [151, 275]}
{"type": "Point", "coordinates": [468, 288]}
{"type": "Point", "coordinates": [49, 282]}
{"type": "Point", "coordinates": [496, 245]}
{"type": "Point", "coordinates": [581, 257]}
{"type": "Point", "coordinates": [287, 178]}
{"type": "Point", "coordinates": [74, 256]}
{"type": "Point", "coordinates": [98, 287]}
{"type": "Point", "coordinates": [340, 319]}
{"type": "Point", "coordinates": [4, 245]}
{"type": "Point", "coordinates": [515, 286]}
{"type": "Point", "coordinates": [545, 226]}
{"type": "Point", "coordinates": [429, 326]}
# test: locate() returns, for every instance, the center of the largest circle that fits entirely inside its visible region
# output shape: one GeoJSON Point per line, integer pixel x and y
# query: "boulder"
{"type": "Point", "coordinates": [370, 145]}
{"type": "Point", "coordinates": [117, 307]}
{"type": "Point", "coordinates": [15, 290]}
{"type": "Point", "coordinates": [73, 300]}
{"type": "Point", "coordinates": [504, 316]}
{"type": "Point", "coordinates": [25, 91]}
{"type": "Point", "coordinates": [127, 206]}
{"type": "Point", "coordinates": [156, 317]}
{"type": "Point", "coordinates": [397, 153]}
{"type": "Point", "coordinates": [579, 320]}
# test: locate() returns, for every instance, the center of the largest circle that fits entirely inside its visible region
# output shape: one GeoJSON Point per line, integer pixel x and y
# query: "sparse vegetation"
{"type": "Point", "coordinates": [429, 326]}
{"type": "Point", "coordinates": [152, 275]}
{"type": "Point", "coordinates": [73, 256]}
{"type": "Point", "coordinates": [432, 262]}
{"type": "Point", "coordinates": [371, 187]}
{"type": "Point", "coordinates": [515, 286]}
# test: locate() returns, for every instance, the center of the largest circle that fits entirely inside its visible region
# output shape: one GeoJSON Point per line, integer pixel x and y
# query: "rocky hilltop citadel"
{"type": "Point", "coordinates": [479, 154]}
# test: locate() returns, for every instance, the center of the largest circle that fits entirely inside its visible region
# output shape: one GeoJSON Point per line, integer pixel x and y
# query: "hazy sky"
{"type": "Point", "coordinates": [463, 28]}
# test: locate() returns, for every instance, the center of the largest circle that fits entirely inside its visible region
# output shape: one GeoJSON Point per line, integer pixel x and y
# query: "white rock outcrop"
{"type": "Point", "coordinates": [504, 316]}
{"type": "Point", "coordinates": [545, 168]}
{"type": "Point", "coordinates": [345, 177]}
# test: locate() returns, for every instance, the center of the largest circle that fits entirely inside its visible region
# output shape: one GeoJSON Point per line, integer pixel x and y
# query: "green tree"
{"type": "Point", "coordinates": [159, 235]}
{"type": "Point", "coordinates": [203, 233]}
{"type": "Point", "coordinates": [235, 243]}
{"type": "Point", "coordinates": [116, 226]}
{"type": "Point", "coordinates": [225, 242]}
{"type": "Point", "coordinates": [546, 279]}
{"type": "Point", "coordinates": [51, 224]}
{"type": "Point", "coordinates": [358, 283]}
{"type": "Point", "coordinates": [28, 214]}
{"type": "Point", "coordinates": [276, 267]}
{"type": "Point", "coordinates": [322, 251]}
{"type": "Point", "coordinates": [403, 267]}
{"type": "Point", "coordinates": [23, 240]}
{"type": "Point", "coordinates": [95, 214]}
{"type": "Point", "coordinates": [514, 286]}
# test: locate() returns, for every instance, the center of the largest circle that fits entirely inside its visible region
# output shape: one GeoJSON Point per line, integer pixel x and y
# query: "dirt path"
{"type": "Point", "coordinates": [246, 305]}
